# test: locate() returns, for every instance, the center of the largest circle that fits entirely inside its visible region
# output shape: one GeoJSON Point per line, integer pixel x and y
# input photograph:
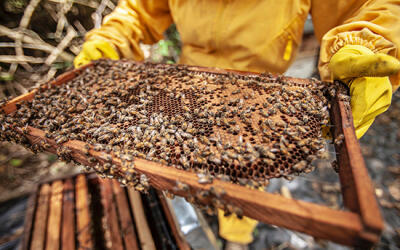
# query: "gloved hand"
{"type": "Point", "coordinates": [366, 74]}
{"type": "Point", "coordinates": [93, 50]}
{"type": "Point", "coordinates": [231, 228]}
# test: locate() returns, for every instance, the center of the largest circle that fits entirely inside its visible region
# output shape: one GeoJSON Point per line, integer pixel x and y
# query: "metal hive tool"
{"type": "Point", "coordinates": [226, 125]}
{"type": "Point", "coordinates": [87, 129]}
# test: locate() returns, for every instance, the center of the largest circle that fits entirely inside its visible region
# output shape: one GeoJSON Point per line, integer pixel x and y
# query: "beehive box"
{"type": "Point", "coordinates": [205, 134]}
{"type": "Point", "coordinates": [86, 212]}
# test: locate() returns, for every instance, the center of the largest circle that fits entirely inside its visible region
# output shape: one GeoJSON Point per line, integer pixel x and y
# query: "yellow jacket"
{"type": "Point", "coordinates": [253, 35]}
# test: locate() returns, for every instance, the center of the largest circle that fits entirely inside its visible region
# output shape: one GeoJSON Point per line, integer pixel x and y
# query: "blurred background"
{"type": "Point", "coordinates": [40, 38]}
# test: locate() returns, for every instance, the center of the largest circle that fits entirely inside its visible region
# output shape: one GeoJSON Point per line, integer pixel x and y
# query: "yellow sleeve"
{"type": "Point", "coordinates": [132, 22]}
{"type": "Point", "coordinates": [374, 24]}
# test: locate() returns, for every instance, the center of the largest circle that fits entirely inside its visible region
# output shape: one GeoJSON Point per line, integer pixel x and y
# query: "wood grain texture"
{"type": "Point", "coordinates": [357, 187]}
{"type": "Point", "coordinates": [126, 224]}
{"type": "Point", "coordinates": [29, 217]}
{"type": "Point", "coordinates": [110, 213]}
{"type": "Point", "coordinates": [144, 233]}
{"type": "Point", "coordinates": [84, 234]}
{"type": "Point", "coordinates": [40, 223]}
{"type": "Point", "coordinates": [68, 216]}
{"type": "Point", "coordinates": [54, 222]}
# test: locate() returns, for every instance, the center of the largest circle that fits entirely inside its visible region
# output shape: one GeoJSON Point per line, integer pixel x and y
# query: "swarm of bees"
{"type": "Point", "coordinates": [240, 128]}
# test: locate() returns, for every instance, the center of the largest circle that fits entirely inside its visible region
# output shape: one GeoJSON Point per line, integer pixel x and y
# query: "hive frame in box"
{"type": "Point", "coordinates": [59, 216]}
{"type": "Point", "coordinates": [360, 224]}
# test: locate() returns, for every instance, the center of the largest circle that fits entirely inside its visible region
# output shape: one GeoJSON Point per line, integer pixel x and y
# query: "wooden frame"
{"type": "Point", "coordinates": [360, 224]}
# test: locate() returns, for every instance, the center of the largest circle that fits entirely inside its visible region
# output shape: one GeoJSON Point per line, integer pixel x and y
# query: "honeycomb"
{"type": "Point", "coordinates": [220, 124]}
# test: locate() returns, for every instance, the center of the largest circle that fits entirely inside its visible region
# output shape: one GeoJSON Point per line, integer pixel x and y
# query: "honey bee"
{"type": "Point", "coordinates": [339, 140]}
{"type": "Point", "coordinates": [181, 187]}
{"type": "Point", "coordinates": [300, 166]}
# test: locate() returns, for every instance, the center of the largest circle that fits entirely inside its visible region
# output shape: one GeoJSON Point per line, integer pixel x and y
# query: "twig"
{"type": "Point", "coordinates": [51, 11]}
{"type": "Point", "coordinates": [98, 14]}
{"type": "Point", "coordinates": [28, 13]}
{"type": "Point", "coordinates": [50, 74]}
{"type": "Point", "coordinates": [20, 59]}
{"type": "Point", "coordinates": [22, 26]}
{"type": "Point", "coordinates": [62, 20]}
{"type": "Point", "coordinates": [110, 5]}
{"type": "Point", "coordinates": [35, 41]}
{"type": "Point", "coordinates": [80, 27]}
{"type": "Point", "coordinates": [71, 33]}
{"type": "Point", "coordinates": [26, 46]}
{"type": "Point", "coordinates": [20, 88]}
{"type": "Point", "coordinates": [91, 4]}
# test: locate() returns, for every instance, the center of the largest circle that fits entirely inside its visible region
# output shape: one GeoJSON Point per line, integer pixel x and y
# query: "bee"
{"type": "Point", "coordinates": [169, 195]}
{"type": "Point", "coordinates": [98, 147]}
{"type": "Point", "coordinates": [268, 162]}
{"type": "Point", "coordinates": [264, 113]}
{"type": "Point", "coordinates": [184, 161]}
{"type": "Point", "coordinates": [335, 166]}
{"type": "Point", "coordinates": [344, 98]}
{"type": "Point", "coordinates": [238, 211]}
{"type": "Point", "coordinates": [182, 187]}
{"type": "Point", "coordinates": [61, 139]}
{"type": "Point", "coordinates": [237, 91]}
{"type": "Point", "coordinates": [144, 181]}
{"type": "Point", "coordinates": [339, 140]}
{"type": "Point", "coordinates": [92, 160]}
{"type": "Point", "coordinates": [301, 129]}
{"type": "Point", "coordinates": [300, 166]}
{"type": "Point", "coordinates": [25, 130]}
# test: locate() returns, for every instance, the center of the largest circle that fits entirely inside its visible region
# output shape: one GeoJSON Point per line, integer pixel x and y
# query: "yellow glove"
{"type": "Point", "coordinates": [93, 50]}
{"type": "Point", "coordinates": [366, 73]}
{"type": "Point", "coordinates": [231, 228]}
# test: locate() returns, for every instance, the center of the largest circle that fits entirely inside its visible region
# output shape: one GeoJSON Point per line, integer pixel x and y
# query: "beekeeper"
{"type": "Point", "coordinates": [356, 38]}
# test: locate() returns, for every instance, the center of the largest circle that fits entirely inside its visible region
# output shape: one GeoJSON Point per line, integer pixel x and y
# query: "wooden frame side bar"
{"type": "Point", "coordinates": [357, 188]}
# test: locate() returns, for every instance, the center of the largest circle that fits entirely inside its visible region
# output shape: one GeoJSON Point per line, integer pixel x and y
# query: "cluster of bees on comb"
{"type": "Point", "coordinates": [242, 128]}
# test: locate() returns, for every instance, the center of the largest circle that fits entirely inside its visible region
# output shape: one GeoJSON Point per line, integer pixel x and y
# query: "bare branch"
{"type": "Point", "coordinates": [21, 59]}
{"type": "Point", "coordinates": [71, 33]}
{"type": "Point", "coordinates": [50, 74]}
{"type": "Point", "coordinates": [20, 88]}
{"type": "Point", "coordinates": [62, 20]}
{"type": "Point", "coordinates": [91, 4]}
{"type": "Point", "coordinates": [28, 13]}
{"type": "Point", "coordinates": [35, 41]}
{"type": "Point", "coordinates": [80, 27]}
{"type": "Point", "coordinates": [98, 14]}
{"type": "Point", "coordinates": [22, 26]}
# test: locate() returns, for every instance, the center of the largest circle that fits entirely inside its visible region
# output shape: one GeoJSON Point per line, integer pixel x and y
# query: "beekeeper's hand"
{"type": "Point", "coordinates": [367, 75]}
{"type": "Point", "coordinates": [93, 50]}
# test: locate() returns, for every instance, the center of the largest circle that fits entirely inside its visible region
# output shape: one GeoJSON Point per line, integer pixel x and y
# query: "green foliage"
{"type": "Point", "coordinates": [61, 65]}
{"type": "Point", "coordinates": [16, 162]}
{"type": "Point", "coordinates": [52, 157]}
{"type": "Point", "coordinates": [15, 6]}
{"type": "Point", "coordinates": [168, 50]}
{"type": "Point", "coordinates": [4, 76]}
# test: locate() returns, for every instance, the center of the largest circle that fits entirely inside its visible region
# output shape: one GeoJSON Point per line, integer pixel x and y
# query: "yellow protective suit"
{"type": "Point", "coordinates": [254, 35]}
